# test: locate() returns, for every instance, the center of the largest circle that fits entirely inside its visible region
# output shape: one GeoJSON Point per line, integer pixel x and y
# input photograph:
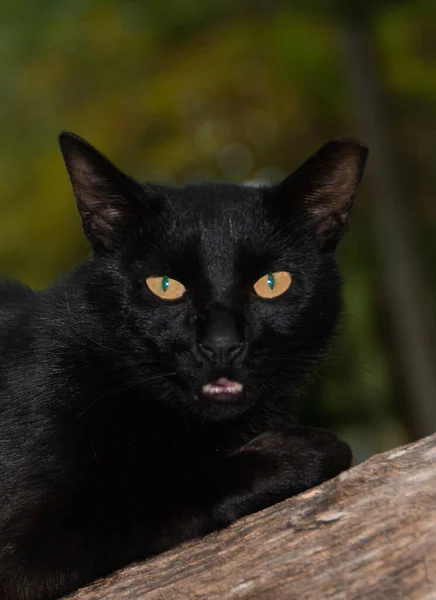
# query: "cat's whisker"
{"type": "Point", "coordinates": [159, 362]}
{"type": "Point", "coordinates": [118, 390]}
{"type": "Point", "coordinates": [297, 359]}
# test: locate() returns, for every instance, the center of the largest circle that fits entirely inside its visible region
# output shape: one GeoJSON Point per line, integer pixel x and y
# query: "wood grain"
{"type": "Point", "coordinates": [369, 533]}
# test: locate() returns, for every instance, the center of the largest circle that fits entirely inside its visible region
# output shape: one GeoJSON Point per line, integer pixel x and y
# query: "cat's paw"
{"type": "Point", "coordinates": [308, 456]}
{"type": "Point", "coordinates": [276, 465]}
{"type": "Point", "coordinates": [333, 455]}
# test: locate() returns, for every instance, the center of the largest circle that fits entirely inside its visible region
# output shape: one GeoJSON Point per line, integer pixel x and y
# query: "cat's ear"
{"type": "Point", "coordinates": [108, 200]}
{"type": "Point", "coordinates": [323, 187]}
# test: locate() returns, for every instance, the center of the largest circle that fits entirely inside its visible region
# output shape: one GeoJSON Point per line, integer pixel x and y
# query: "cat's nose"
{"type": "Point", "coordinates": [220, 339]}
{"type": "Point", "coordinates": [221, 349]}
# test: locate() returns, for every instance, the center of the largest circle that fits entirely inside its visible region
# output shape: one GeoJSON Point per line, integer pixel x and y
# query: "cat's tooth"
{"type": "Point", "coordinates": [233, 387]}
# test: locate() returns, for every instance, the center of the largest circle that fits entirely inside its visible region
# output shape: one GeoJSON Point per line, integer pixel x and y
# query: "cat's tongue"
{"type": "Point", "coordinates": [222, 387]}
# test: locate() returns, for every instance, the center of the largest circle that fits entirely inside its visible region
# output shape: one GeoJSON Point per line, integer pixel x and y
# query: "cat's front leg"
{"type": "Point", "coordinates": [270, 468]}
{"type": "Point", "coordinates": [277, 465]}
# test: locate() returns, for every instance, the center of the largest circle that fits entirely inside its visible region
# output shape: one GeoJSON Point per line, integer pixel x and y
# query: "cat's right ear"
{"type": "Point", "coordinates": [109, 201]}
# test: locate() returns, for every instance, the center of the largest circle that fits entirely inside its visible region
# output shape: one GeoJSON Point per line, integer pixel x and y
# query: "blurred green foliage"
{"type": "Point", "coordinates": [245, 91]}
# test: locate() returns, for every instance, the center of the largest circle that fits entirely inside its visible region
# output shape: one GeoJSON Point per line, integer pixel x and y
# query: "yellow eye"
{"type": "Point", "coordinates": [273, 284]}
{"type": "Point", "coordinates": [165, 287]}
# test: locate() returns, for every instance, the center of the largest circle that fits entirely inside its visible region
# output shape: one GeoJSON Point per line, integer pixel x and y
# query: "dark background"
{"type": "Point", "coordinates": [245, 91]}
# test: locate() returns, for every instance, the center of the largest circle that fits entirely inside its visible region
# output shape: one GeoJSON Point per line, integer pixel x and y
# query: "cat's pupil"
{"type": "Point", "coordinates": [270, 280]}
{"type": "Point", "coordinates": [165, 283]}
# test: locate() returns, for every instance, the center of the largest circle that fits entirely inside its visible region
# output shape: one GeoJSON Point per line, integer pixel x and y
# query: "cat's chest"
{"type": "Point", "coordinates": [150, 448]}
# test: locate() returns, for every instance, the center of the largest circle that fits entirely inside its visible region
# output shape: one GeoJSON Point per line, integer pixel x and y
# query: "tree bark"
{"type": "Point", "coordinates": [369, 533]}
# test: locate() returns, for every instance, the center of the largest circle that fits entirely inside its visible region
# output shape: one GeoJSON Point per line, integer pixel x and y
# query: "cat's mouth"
{"type": "Point", "coordinates": [222, 389]}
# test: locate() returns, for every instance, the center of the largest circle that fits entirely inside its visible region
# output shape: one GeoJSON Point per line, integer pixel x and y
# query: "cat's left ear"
{"type": "Point", "coordinates": [323, 188]}
{"type": "Point", "coordinates": [109, 201]}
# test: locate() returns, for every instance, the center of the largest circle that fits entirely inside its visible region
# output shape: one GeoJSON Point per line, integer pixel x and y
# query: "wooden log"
{"type": "Point", "coordinates": [369, 533]}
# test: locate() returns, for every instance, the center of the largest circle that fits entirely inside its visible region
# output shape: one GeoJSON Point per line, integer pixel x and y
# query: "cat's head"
{"type": "Point", "coordinates": [219, 297]}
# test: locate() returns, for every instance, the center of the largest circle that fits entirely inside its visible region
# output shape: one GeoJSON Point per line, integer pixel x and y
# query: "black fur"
{"type": "Point", "coordinates": [109, 452]}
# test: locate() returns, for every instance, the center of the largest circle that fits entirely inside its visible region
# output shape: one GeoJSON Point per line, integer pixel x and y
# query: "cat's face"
{"type": "Point", "coordinates": [220, 296]}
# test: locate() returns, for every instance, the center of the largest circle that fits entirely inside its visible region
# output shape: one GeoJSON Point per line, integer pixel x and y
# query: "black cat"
{"type": "Point", "coordinates": [150, 395]}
